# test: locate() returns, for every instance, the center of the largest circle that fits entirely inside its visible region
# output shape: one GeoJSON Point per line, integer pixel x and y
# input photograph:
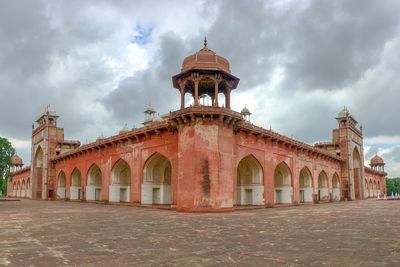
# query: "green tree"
{"type": "Point", "coordinates": [6, 152]}
{"type": "Point", "coordinates": [392, 185]}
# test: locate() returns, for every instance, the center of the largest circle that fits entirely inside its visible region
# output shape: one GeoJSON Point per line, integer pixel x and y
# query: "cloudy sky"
{"type": "Point", "coordinates": [99, 63]}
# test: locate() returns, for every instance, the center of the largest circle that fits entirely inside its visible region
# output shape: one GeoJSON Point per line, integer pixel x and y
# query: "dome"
{"type": "Point", "coordinates": [343, 113]}
{"type": "Point", "coordinates": [245, 111]}
{"type": "Point", "coordinates": [376, 160]}
{"type": "Point", "coordinates": [16, 160]}
{"type": "Point", "coordinates": [205, 59]}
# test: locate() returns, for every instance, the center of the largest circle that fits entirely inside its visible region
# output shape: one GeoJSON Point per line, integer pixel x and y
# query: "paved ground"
{"type": "Point", "coordinates": [43, 233]}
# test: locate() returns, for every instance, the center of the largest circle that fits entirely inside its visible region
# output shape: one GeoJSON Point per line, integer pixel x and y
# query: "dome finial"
{"type": "Point", "coordinates": [205, 41]}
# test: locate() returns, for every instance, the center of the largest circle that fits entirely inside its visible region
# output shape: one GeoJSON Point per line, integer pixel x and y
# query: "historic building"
{"type": "Point", "coordinates": [202, 157]}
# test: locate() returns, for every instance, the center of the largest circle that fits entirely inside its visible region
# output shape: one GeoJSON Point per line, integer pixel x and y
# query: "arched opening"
{"type": "Point", "coordinates": [94, 183]}
{"type": "Point", "coordinates": [370, 191]}
{"type": "Point", "coordinates": [366, 189]}
{"type": "Point", "coordinates": [378, 188]}
{"type": "Point", "coordinates": [76, 185]}
{"type": "Point", "coordinates": [38, 172]}
{"type": "Point", "coordinates": [306, 185]}
{"type": "Point", "coordinates": [221, 100]}
{"type": "Point", "coordinates": [374, 189]}
{"type": "Point", "coordinates": [335, 187]}
{"type": "Point", "coordinates": [283, 184]}
{"type": "Point", "coordinates": [28, 188]}
{"type": "Point", "coordinates": [323, 192]}
{"type": "Point", "coordinates": [120, 183]}
{"type": "Point", "coordinates": [18, 189]}
{"type": "Point", "coordinates": [357, 173]}
{"type": "Point", "coordinates": [156, 186]}
{"type": "Point", "coordinates": [250, 187]}
{"type": "Point", "coordinates": [61, 182]}
{"type": "Point", "coordinates": [23, 189]}
{"type": "Point", "coordinates": [14, 189]}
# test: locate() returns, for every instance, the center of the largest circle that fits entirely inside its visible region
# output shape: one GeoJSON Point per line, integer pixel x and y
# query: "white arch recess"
{"type": "Point", "coordinates": [306, 185]}
{"type": "Point", "coordinates": [375, 191]}
{"type": "Point", "coordinates": [323, 191]}
{"type": "Point", "coordinates": [120, 183]}
{"type": "Point", "coordinates": [76, 185]}
{"type": "Point", "coordinates": [94, 183]}
{"type": "Point", "coordinates": [250, 188]}
{"type": "Point", "coordinates": [371, 190]}
{"type": "Point", "coordinates": [335, 187]}
{"type": "Point", "coordinates": [366, 188]}
{"type": "Point", "coordinates": [378, 187]}
{"type": "Point", "coordinates": [14, 190]}
{"type": "Point", "coordinates": [28, 188]}
{"type": "Point", "coordinates": [23, 189]}
{"type": "Point", "coordinates": [156, 186]}
{"type": "Point", "coordinates": [283, 184]}
{"type": "Point", "coordinates": [61, 183]}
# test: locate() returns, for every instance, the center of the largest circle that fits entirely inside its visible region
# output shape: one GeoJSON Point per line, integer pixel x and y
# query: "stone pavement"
{"type": "Point", "coordinates": [54, 233]}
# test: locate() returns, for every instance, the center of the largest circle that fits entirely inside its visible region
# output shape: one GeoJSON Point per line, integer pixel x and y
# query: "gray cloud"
{"type": "Point", "coordinates": [71, 54]}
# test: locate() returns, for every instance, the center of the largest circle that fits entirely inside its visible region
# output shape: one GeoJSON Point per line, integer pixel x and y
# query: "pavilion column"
{"type": "Point", "coordinates": [228, 98]}
{"type": "Point", "coordinates": [215, 100]}
{"type": "Point", "coordinates": [182, 89]}
{"type": "Point", "coordinates": [196, 89]}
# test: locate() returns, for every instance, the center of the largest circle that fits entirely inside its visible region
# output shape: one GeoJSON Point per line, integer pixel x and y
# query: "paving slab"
{"type": "Point", "coordinates": [62, 233]}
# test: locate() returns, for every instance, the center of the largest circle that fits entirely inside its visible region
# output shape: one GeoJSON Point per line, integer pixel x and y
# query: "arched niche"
{"type": "Point", "coordinates": [250, 187]}
{"type": "Point", "coordinates": [357, 165]}
{"type": "Point", "coordinates": [38, 165]}
{"type": "Point", "coordinates": [323, 191]}
{"type": "Point", "coordinates": [305, 185]}
{"type": "Point", "coordinates": [156, 186]}
{"type": "Point", "coordinates": [76, 185]}
{"type": "Point", "coordinates": [94, 183]}
{"type": "Point", "coordinates": [120, 182]}
{"type": "Point", "coordinates": [61, 184]}
{"type": "Point", "coordinates": [335, 187]}
{"type": "Point", "coordinates": [283, 184]}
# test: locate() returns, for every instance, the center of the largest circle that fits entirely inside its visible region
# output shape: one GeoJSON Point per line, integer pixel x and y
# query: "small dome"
{"type": "Point", "coordinates": [376, 160]}
{"type": "Point", "coordinates": [343, 113]}
{"type": "Point", "coordinates": [205, 59]}
{"type": "Point", "coordinates": [245, 111]}
{"type": "Point", "coordinates": [16, 160]}
{"type": "Point", "coordinates": [149, 110]}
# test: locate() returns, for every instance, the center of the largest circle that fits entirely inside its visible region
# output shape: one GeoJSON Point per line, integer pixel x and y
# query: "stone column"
{"type": "Point", "coordinates": [196, 89]}
{"type": "Point", "coordinates": [182, 89]}
{"type": "Point", "coordinates": [228, 98]}
{"type": "Point", "coordinates": [216, 80]}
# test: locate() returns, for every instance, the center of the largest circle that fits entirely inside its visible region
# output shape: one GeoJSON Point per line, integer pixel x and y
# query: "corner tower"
{"type": "Point", "coordinates": [350, 140]}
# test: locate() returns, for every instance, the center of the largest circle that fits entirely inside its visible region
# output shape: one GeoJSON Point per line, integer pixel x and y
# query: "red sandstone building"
{"type": "Point", "coordinates": [200, 157]}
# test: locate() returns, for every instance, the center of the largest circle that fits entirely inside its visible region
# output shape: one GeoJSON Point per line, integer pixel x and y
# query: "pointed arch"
{"type": "Point", "coordinates": [374, 189]}
{"type": "Point", "coordinates": [250, 187]}
{"type": "Point", "coordinates": [23, 189]}
{"type": "Point", "coordinates": [305, 185]}
{"type": "Point", "coordinates": [357, 165]}
{"type": "Point", "coordinates": [120, 182]}
{"type": "Point", "coordinates": [156, 186]}
{"type": "Point", "coordinates": [371, 190]}
{"type": "Point", "coordinates": [283, 183]}
{"type": "Point", "coordinates": [335, 187]}
{"type": "Point", "coordinates": [76, 185]}
{"type": "Point", "coordinates": [94, 183]}
{"type": "Point", "coordinates": [61, 184]}
{"type": "Point", "coordinates": [323, 191]}
{"type": "Point", "coordinates": [38, 165]}
{"type": "Point", "coordinates": [28, 186]}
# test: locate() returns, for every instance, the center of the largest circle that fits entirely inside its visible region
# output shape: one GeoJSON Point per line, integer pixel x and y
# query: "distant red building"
{"type": "Point", "coordinates": [202, 157]}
